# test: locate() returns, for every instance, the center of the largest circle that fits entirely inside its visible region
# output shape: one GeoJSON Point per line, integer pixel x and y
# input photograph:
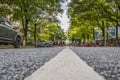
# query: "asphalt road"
{"type": "Point", "coordinates": [16, 64]}
{"type": "Point", "coordinates": [65, 66]}
{"type": "Point", "coordinates": [104, 60]}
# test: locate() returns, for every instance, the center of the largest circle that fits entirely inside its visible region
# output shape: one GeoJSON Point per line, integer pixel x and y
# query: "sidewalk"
{"type": "Point", "coordinates": [65, 66]}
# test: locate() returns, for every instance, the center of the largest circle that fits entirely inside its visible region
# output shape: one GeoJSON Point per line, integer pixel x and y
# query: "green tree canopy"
{"type": "Point", "coordinates": [85, 15]}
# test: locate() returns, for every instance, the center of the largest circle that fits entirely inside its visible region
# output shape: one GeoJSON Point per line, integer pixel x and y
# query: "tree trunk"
{"type": "Point", "coordinates": [35, 34]}
{"type": "Point", "coordinates": [25, 31]}
{"type": "Point", "coordinates": [23, 24]}
{"type": "Point", "coordinates": [83, 37]}
{"type": "Point", "coordinates": [88, 37]}
{"type": "Point", "coordinates": [42, 29]}
{"type": "Point", "coordinates": [103, 30]}
{"type": "Point", "coordinates": [93, 34]}
{"type": "Point", "coordinates": [117, 30]}
{"type": "Point", "coordinates": [107, 32]}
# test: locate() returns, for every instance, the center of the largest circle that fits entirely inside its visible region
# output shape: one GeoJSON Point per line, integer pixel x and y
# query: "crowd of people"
{"type": "Point", "coordinates": [75, 43]}
{"type": "Point", "coordinates": [81, 44]}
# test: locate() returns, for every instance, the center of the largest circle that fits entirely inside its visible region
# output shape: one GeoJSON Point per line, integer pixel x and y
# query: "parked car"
{"type": "Point", "coordinates": [9, 35]}
{"type": "Point", "coordinates": [86, 44]}
{"type": "Point", "coordinates": [44, 43]}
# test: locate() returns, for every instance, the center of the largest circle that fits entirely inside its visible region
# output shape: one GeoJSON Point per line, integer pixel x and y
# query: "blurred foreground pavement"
{"type": "Point", "coordinates": [104, 60]}
{"type": "Point", "coordinates": [65, 66]}
{"type": "Point", "coordinates": [16, 64]}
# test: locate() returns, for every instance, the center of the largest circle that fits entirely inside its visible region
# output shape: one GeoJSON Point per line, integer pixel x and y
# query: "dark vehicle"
{"type": "Point", "coordinates": [86, 44]}
{"type": "Point", "coordinates": [44, 43]}
{"type": "Point", "coordinates": [9, 35]}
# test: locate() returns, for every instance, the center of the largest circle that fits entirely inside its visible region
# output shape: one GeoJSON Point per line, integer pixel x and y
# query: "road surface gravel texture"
{"type": "Point", "coordinates": [17, 64]}
{"type": "Point", "coordinates": [104, 60]}
{"type": "Point", "coordinates": [65, 66]}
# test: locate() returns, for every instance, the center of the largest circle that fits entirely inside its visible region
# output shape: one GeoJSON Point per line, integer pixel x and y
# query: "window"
{"type": "Point", "coordinates": [8, 23]}
{"type": "Point", "coordinates": [1, 22]}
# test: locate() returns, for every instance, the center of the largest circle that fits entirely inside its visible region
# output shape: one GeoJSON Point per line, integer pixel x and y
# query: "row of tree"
{"type": "Point", "coordinates": [33, 15]}
{"type": "Point", "coordinates": [86, 15]}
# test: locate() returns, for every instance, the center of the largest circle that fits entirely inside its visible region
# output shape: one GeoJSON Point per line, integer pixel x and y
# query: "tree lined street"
{"type": "Point", "coordinates": [88, 50]}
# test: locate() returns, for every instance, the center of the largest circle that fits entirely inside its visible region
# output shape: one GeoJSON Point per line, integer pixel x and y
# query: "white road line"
{"type": "Point", "coordinates": [65, 66]}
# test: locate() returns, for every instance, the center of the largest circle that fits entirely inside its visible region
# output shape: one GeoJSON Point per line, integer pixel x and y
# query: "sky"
{"type": "Point", "coordinates": [63, 18]}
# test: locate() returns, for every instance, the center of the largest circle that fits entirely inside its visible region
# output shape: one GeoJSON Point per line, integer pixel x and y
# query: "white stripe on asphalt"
{"type": "Point", "coordinates": [65, 66]}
